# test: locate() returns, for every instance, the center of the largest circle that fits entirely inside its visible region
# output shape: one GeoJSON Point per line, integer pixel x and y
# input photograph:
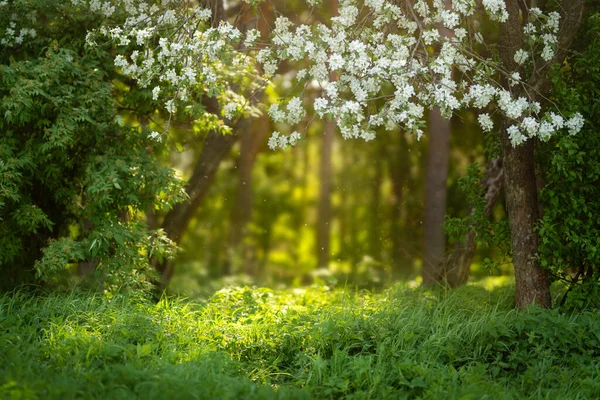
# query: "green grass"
{"type": "Point", "coordinates": [296, 344]}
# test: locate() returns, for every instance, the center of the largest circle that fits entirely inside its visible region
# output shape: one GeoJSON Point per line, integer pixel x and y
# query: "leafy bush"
{"type": "Point", "coordinates": [570, 227]}
{"type": "Point", "coordinates": [73, 178]}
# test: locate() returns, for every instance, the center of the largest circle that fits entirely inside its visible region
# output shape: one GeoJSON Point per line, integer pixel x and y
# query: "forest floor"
{"type": "Point", "coordinates": [248, 343]}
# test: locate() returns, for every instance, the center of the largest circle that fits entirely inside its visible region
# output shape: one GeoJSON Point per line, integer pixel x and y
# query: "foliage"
{"type": "Point", "coordinates": [377, 50]}
{"type": "Point", "coordinates": [489, 231]}
{"type": "Point", "coordinates": [73, 178]}
{"type": "Point", "coordinates": [312, 343]}
{"type": "Point", "coordinates": [570, 227]}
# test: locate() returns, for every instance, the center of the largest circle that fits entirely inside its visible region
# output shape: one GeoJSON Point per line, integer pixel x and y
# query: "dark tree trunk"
{"type": "Point", "coordinates": [323, 243]}
{"type": "Point", "coordinates": [324, 207]}
{"type": "Point", "coordinates": [434, 246]}
{"type": "Point", "coordinates": [532, 284]}
{"type": "Point", "coordinates": [458, 263]}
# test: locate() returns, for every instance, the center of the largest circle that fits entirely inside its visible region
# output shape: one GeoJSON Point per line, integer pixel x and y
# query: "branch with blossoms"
{"type": "Point", "coordinates": [380, 50]}
{"type": "Point", "coordinates": [377, 50]}
{"type": "Point", "coordinates": [174, 50]}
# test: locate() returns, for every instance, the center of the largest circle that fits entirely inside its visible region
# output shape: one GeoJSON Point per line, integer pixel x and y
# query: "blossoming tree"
{"type": "Point", "coordinates": [391, 64]}
{"type": "Point", "coordinates": [382, 50]}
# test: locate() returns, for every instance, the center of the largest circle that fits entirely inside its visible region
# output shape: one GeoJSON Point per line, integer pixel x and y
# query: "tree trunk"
{"type": "Point", "coordinates": [399, 166]}
{"type": "Point", "coordinates": [434, 246]}
{"type": "Point", "coordinates": [458, 263]}
{"type": "Point", "coordinates": [251, 138]}
{"type": "Point", "coordinates": [216, 148]}
{"type": "Point", "coordinates": [436, 191]}
{"type": "Point", "coordinates": [323, 242]}
{"type": "Point", "coordinates": [324, 207]}
{"type": "Point", "coordinates": [532, 284]}
{"type": "Point", "coordinates": [375, 222]}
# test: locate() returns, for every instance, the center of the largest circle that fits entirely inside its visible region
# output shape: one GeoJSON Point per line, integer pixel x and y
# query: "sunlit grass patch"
{"type": "Point", "coordinates": [297, 343]}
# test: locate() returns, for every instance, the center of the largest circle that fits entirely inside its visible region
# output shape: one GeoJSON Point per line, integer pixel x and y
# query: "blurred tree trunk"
{"type": "Point", "coordinates": [355, 250]}
{"type": "Point", "coordinates": [252, 136]}
{"type": "Point", "coordinates": [436, 193]}
{"type": "Point", "coordinates": [436, 175]}
{"type": "Point", "coordinates": [399, 169]}
{"type": "Point", "coordinates": [342, 212]}
{"type": "Point", "coordinates": [324, 206]}
{"type": "Point", "coordinates": [323, 243]}
{"type": "Point", "coordinates": [216, 148]}
{"type": "Point", "coordinates": [375, 222]}
{"type": "Point", "coordinates": [458, 263]}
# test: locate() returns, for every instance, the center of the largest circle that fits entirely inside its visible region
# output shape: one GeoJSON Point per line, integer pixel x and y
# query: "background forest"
{"type": "Point", "coordinates": [168, 249]}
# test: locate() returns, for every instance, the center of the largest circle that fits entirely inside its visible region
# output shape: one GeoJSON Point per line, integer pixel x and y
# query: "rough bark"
{"type": "Point", "coordinates": [436, 175]}
{"type": "Point", "coordinates": [458, 263]}
{"type": "Point", "coordinates": [532, 284]}
{"type": "Point", "coordinates": [324, 206]}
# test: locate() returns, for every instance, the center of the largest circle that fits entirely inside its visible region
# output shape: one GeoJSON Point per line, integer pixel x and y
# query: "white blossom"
{"type": "Point", "coordinates": [515, 136]}
{"type": "Point", "coordinates": [530, 126]}
{"type": "Point", "coordinates": [485, 122]}
{"type": "Point", "coordinates": [294, 138]}
{"type": "Point", "coordinates": [515, 78]}
{"type": "Point", "coordinates": [521, 56]}
{"type": "Point", "coordinates": [230, 110]}
{"type": "Point", "coordinates": [273, 142]}
{"type": "Point", "coordinates": [295, 111]}
{"type": "Point", "coordinates": [575, 123]}
{"type": "Point", "coordinates": [336, 62]}
{"type": "Point", "coordinates": [170, 106]}
{"type": "Point", "coordinates": [276, 113]}
{"type": "Point", "coordinates": [155, 92]}
{"type": "Point", "coordinates": [557, 120]}
{"type": "Point", "coordinates": [155, 136]}
{"type": "Point", "coordinates": [496, 9]}
{"type": "Point", "coordinates": [320, 106]}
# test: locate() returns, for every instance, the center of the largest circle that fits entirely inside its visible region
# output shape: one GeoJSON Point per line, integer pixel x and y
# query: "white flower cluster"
{"type": "Point", "coordinates": [496, 9]}
{"type": "Point", "coordinates": [373, 77]}
{"type": "Point", "coordinates": [541, 31]}
{"type": "Point", "coordinates": [372, 62]}
{"type": "Point", "coordinates": [293, 114]}
{"type": "Point", "coordinates": [14, 36]}
{"type": "Point", "coordinates": [175, 51]}
{"type": "Point", "coordinates": [277, 140]}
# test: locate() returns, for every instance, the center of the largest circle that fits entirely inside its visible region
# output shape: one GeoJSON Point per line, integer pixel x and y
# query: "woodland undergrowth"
{"type": "Point", "coordinates": [296, 344]}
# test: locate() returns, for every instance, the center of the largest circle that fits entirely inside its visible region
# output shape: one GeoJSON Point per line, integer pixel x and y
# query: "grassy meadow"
{"type": "Point", "coordinates": [313, 343]}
